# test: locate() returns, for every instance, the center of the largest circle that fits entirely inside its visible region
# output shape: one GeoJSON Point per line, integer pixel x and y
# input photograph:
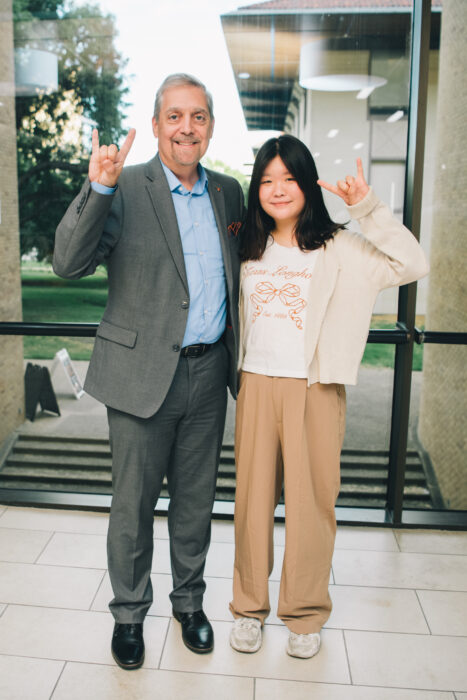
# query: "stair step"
{"type": "Point", "coordinates": [83, 465]}
{"type": "Point", "coordinates": [59, 461]}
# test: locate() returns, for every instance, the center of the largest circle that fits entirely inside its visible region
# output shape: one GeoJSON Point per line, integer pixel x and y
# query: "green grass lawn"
{"type": "Point", "coordinates": [382, 354]}
{"type": "Point", "coordinates": [47, 297]}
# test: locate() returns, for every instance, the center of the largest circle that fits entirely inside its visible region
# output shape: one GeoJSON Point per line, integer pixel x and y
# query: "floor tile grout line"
{"type": "Point", "coordinates": [423, 611]}
{"type": "Point", "coordinates": [58, 680]}
{"type": "Point", "coordinates": [241, 675]}
{"type": "Point", "coordinates": [110, 664]}
{"type": "Point", "coordinates": [58, 566]}
{"type": "Point", "coordinates": [48, 529]}
{"type": "Point", "coordinates": [402, 588]}
{"type": "Point", "coordinates": [78, 610]}
{"type": "Point", "coordinates": [347, 657]}
{"type": "Point", "coordinates": [104, 573]}
{"type": "Point", "coordinates": [223, 621]}
{"type": "Point", "coordinates": [394, 532]}
{"type": "Point", "coordinates": [231, 543]}
{"type": "Point", "coordinates": [52, 535]}
{"type": "Point", "coordinates": [402, 552]}
{"type": "Point", "coordinates": [236, 675]}
{"type": "Point", "coordinates": [163, 645]}
{"type": "Point", "coordinates": [424, 635]}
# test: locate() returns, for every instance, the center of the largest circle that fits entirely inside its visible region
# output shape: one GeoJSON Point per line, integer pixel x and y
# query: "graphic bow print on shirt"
{"type": "Point", "coordinates": [265, 292]}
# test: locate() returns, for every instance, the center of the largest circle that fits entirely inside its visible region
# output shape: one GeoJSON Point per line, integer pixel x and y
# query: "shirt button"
{"type": "Point", "coordinates": [176, 348]}
{"type": "Point", "coordinates": [185, 304]}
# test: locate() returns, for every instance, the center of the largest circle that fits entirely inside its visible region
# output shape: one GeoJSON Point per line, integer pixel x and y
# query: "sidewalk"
{"type": "Point", "coordinates": [368, 410]}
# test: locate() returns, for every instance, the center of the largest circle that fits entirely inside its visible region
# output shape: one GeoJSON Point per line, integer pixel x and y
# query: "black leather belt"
{"type": "Point", "coordinates": [195, 350]}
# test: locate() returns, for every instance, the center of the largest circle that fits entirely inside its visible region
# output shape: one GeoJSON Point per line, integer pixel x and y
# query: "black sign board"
{"type": "Point", "coordinates": [39, 390]}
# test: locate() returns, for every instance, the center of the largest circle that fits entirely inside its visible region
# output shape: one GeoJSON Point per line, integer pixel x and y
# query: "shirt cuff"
{"type": "Point", "coordinates": [102, 189]}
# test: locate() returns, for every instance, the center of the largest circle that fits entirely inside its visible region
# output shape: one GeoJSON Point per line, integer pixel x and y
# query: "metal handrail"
{"type": "Point", "coordinates": [376, 335]}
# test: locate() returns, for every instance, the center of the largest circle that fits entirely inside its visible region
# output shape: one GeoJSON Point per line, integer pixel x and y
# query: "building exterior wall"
{"type": "Point", "coordinates": [443, 409]}
{"type": "Point", "coordinates": [11, 347]}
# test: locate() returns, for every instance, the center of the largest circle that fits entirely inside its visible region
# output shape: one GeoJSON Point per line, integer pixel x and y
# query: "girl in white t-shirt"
{"type": "Point", "coordinates": [307, 291]}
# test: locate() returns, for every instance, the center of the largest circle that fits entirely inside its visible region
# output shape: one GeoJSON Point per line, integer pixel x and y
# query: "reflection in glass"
{"type": "Point", "coordinates": [294, 62]}
{"type": "Point", "coordinates": [46, 148]}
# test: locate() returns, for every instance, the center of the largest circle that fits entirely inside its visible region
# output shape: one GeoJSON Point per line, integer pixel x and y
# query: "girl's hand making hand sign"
{"type": "Point", "coordinates": [352, 190]}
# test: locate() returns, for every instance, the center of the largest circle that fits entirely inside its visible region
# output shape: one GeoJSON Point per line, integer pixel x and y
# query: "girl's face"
{"type": "Point", "coordinates": [279, 193]}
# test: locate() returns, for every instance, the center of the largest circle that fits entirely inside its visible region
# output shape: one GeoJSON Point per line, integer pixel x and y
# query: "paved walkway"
{"type": "Point", "coordinates": [368, 411]}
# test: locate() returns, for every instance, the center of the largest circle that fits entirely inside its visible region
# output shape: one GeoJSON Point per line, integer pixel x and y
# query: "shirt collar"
{"type": "Point", "coordinates": [176, 186]}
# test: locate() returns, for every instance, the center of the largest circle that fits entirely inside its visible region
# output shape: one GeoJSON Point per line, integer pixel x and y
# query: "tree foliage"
{"type": "Point", "coordinates": [52, 129]}
{"type": "Point", "coordinates": [222, 167]}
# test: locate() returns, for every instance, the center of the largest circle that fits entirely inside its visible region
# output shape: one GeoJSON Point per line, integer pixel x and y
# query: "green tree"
{"type": "Point", "coordinates": [53, 128]}
{"type": "Point", "coordinates": [222, 167]}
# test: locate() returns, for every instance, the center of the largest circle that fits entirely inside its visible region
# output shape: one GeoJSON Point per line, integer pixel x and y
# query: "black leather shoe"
{"type": "Point", "coordinates": [197, 632]}
{"type": "Point", "coordinates": [128, 645]}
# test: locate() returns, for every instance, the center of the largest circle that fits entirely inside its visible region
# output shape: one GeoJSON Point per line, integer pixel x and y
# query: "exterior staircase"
{"type": "Point", "coordinates": [83, 465]}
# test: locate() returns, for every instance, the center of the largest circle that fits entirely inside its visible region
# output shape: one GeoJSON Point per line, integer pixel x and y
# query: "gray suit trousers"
{"type": "Point", "coordinates": [182, 441]}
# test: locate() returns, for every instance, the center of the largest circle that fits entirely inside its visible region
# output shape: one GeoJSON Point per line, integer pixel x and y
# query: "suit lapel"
{"type": "Point", "coordinates": [164, 209]}
{"type": "Point", "coordinates": [216, 195]}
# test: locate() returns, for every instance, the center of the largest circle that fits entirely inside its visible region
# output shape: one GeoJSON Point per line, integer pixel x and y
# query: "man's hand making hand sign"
{"type": "Point", "coordinates": [352, 190]}
{"type": "Point", "coordinates": [107, 162]}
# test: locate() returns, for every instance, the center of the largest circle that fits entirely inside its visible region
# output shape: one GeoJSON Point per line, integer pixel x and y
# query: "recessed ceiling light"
{"type": "Point", "coordinates": [396, 116]}
{"type": "Point", "coordinates": [332, 133]}
{"type": "Point", "coordinates": [366, 92]}
{"type": "Point", "coordinates": [244, 76]}
{"type": "Point", "coordinates": [338, 161]}
{"type": "Point", "coordinates": [336, 64]}
{"type": "Point", "coordinates": [358, 145]}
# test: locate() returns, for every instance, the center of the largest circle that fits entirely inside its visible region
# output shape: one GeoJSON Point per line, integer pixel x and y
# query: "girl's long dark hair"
{"type": "Point", "coordinates": [314, 225]}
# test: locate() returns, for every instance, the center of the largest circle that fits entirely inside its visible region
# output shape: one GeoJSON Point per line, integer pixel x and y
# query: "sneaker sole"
{"type": "Point", "coordinates": [246, 651]}
{"type": "Point", "coordinates": [302, 656]}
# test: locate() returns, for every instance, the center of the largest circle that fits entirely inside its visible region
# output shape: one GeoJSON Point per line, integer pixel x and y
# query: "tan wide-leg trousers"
{"type": "Point", "coordinates": [286, 433]}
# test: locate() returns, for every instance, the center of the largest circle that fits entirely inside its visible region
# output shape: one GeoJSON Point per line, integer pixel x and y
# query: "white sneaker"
{"type": "Point", "coordinates": [246, 634]}
{"type": "Point", "coordinates": [303, 645]}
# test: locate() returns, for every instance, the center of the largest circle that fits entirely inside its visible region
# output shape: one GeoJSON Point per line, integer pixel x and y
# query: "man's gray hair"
{"type": "Point", "coordinates": [177, 80]}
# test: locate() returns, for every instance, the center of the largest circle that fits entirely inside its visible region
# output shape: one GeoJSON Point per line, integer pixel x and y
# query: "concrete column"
{"type": "Point", "coordinates": [443, 406]}
{"type": "Point", "coordinates": [11, 347]}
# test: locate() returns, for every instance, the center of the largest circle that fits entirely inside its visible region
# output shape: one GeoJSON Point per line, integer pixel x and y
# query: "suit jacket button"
{"type": "Point", "coordinates": [176, 348]}
{"type": "Point", "coordinates": [185, 304]}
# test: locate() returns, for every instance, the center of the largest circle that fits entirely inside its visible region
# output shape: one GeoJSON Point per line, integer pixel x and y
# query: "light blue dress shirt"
{"type": "Point", "coordinates": [203, 257]}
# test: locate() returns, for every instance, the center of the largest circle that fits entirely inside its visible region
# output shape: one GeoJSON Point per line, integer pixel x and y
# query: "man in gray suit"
{"type": "Point", "coordinates": [165, 349]}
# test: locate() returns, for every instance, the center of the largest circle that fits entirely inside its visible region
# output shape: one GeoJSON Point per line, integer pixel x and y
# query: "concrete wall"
{"type": "Point", "coordinates": [11, 347]}
{"type": "Point", "coordinates": [443, 408]}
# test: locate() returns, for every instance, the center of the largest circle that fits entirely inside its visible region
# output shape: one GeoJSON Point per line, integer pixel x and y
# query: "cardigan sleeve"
{"type": "Point", "coordinates": [394, 257]}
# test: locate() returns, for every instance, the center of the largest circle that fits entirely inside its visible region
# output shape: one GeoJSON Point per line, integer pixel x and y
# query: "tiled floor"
{"type": "Point", "coordinates": [398, 630]}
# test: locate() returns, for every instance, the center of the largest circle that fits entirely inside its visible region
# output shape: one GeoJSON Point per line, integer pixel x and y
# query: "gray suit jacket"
{"type": "Point", "coordinates": [135, 233]}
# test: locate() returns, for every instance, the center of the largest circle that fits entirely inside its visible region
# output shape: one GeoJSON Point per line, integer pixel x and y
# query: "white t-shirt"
{"type": "Point", "coordinates": [275, 293]}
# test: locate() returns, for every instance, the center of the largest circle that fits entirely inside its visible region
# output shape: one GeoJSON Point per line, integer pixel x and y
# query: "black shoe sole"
{"type": "Point", "coordinates": [197, 650]}
{"type": "Point", "coordinates": [128, 667]}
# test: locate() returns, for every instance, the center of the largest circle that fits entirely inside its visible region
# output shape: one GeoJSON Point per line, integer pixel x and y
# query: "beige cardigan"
{"type": "Point", "coordinates": [349, 272]}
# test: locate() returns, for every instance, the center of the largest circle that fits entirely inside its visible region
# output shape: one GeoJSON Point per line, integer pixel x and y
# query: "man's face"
{"type": "Point", "coordinates": [184, 127]}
